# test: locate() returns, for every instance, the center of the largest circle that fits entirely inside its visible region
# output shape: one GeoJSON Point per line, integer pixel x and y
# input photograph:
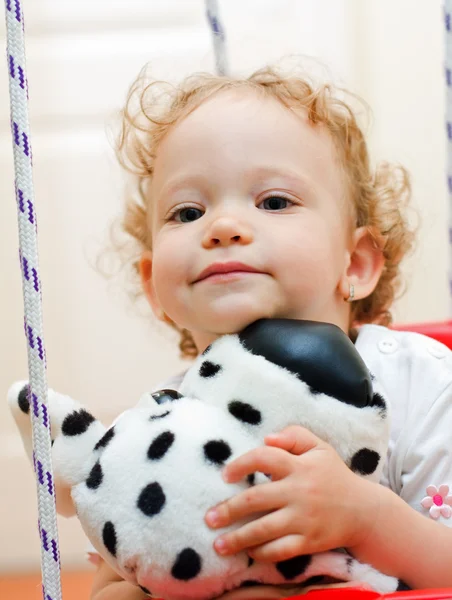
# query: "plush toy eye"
{"type": "Point", "coordinates": [163, 396]}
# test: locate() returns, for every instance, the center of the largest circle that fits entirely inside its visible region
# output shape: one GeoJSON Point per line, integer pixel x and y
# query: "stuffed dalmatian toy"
{"type": "Point", "coordinates": [142, 487]}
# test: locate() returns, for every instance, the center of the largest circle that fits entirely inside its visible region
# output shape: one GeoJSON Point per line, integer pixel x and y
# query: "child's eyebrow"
{"type": "Point", "coordinates": [183, 182]}
{"type": "Point", "coordinates": [255, 176]}
{"type": "Point", "coordinates": [295, 179]}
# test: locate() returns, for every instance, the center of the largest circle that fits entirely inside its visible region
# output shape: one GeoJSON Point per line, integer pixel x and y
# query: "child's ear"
{"type": "Point", "coordinates": [365, 266]}
{"type": "Point", "coordinates": [145, 268]}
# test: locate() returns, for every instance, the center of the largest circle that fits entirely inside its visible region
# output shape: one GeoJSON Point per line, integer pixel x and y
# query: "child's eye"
{"type": "Point", "coordinates": [187, 215]}
{"type": "Point", "coordinates": [275, 203]}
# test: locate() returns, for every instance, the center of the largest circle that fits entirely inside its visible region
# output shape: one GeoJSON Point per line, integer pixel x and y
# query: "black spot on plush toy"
{"type": "Point", "coordinates": [141, 488]}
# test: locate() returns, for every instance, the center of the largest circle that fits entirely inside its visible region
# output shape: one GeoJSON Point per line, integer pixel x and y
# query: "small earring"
{"type": "Point", "coordinates": [351, 296]}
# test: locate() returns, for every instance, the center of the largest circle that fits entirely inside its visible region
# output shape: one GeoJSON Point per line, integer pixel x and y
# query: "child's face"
{"type": "Point", "coordinates": [245, 180]}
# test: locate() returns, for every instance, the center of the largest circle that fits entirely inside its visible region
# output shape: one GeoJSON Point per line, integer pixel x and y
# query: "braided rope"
{"type": "Point", "coordinates": [448, 76]}
{"type": "Point", "coordinates": [31, 285]}
{"type": "Point", "coordinates": [218, 35]}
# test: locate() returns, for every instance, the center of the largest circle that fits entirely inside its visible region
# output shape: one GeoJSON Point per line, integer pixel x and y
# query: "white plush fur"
{"type": "Point", "coordinates": [147, 546]}
{"type": "Point", "coordinates": [283, 399]}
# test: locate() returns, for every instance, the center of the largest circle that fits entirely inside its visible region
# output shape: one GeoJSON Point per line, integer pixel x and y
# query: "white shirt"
{"type": "Point", "coordinates": [416, 375]}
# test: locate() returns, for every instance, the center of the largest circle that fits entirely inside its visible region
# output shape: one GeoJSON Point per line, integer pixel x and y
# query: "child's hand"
{"type": "Point", "coordinates": [313, 503]}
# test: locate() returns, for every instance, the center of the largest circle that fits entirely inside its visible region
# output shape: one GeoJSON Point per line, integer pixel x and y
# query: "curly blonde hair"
{"type": "Point", "coordinates": [378, 196]}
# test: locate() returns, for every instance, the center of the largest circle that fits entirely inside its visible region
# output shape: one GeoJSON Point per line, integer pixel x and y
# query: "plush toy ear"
{"type": "Point", "coordinates": [74, 433]}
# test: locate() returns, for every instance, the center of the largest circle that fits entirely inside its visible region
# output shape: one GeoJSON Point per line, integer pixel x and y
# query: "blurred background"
{"type": "Point", "coordinates": [82, 56]}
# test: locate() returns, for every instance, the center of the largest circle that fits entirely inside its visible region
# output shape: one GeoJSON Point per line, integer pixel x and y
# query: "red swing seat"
{"type": "Point", "coordinates": [356, 594]}
{"type": "Point", "coordinates": [438, 330]}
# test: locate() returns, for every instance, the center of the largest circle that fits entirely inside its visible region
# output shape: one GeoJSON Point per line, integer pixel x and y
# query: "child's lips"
{"type": "Point", "coordinates": [227, 277]}
{"type": "Point", "coordinates": [226, 271]}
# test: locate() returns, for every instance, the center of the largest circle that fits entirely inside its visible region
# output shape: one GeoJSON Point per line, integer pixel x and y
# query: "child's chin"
{"type": "Point", "coordinates": [234, 321]}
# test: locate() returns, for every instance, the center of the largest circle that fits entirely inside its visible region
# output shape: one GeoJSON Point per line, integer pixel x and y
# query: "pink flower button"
{"type": "Point", "coordinates": [438, 501]}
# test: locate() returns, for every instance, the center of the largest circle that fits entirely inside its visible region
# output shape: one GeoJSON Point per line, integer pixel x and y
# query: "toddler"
{"type": "Point", "coordinates": [255, 199]}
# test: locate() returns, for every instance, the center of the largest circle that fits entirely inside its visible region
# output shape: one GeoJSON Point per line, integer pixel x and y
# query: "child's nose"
{"type": "Point", "coordinates": [227, 230]}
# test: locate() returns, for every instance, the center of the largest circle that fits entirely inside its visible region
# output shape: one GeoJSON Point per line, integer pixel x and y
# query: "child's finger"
{"type": "Point", "coordinates": [279, 549]}
{"type": "Point", "coordinates": [294, 439]}
{"type": "Point", "coordinates": [356, 585]}
{"type": "Point", "coordinates": [255, 533]}
{"type": "Point", "coordinates": [258, 499]}
{"type": "Point", "coordinates": [272, 461]}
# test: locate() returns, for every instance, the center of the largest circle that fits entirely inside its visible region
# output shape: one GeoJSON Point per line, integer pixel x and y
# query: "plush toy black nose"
{"type": "Point", "coordinates": [320, 354]}
{"type": "Point", "coordinates": [163, 396]}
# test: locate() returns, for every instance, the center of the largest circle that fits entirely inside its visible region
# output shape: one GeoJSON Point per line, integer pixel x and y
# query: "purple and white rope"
{"type": "Point", "coordinates": [448, 76]}
{"type": "Point", "coordinates": [31, 285]}
{"type": "Point", "coordinates": [218, 35]}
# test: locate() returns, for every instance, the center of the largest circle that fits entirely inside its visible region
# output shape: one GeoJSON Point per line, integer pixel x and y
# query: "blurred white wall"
{"type": "Point", "coordinates": [82, 55]}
